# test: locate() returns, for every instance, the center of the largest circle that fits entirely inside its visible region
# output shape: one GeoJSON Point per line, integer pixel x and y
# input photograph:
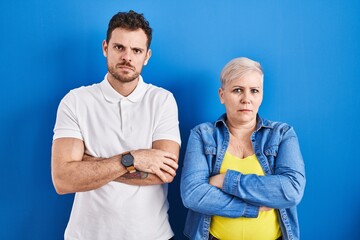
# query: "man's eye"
{"type": "Point", "coordinates": [118, 47]}
{"type": "Point", "coordinates": [137, 51]}
{"type": "Point", "coordinates": [254, 90]}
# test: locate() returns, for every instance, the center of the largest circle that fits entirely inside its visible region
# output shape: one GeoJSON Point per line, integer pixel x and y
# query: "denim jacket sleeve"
{"type": "Point", "coordinates": [283, 188]}
{"type": "Point", "coordinates": [196, 192]}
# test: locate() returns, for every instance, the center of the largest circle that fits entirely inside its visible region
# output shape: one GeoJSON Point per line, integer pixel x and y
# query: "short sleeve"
{"type": "Point", "coordinates": [167, 126]}
{"type": "Point", "coordinates": [66, 124]}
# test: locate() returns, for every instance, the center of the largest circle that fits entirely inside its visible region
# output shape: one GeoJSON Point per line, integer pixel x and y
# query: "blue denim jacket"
{"type": "Point", "coordinates": [277, 149]}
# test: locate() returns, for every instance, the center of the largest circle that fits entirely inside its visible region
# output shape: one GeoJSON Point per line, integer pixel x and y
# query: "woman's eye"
{"type": "Point", "coordinates": [237, 90]}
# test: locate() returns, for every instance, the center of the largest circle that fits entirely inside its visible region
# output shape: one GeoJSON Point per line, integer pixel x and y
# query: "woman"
{"type": "Point", "coordinates": [243, 175]}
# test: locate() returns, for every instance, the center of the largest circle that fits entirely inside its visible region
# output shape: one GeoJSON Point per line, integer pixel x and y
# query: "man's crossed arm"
{"type": "Point", "coordinates": [73, 171]}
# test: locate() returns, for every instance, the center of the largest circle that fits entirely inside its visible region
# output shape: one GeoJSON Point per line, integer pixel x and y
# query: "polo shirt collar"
{"type": "Point", "coordinates": [113, 96]}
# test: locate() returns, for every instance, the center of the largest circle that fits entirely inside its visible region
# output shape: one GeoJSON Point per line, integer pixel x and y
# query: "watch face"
{"type": "Point", "coordinates": [127, 160]}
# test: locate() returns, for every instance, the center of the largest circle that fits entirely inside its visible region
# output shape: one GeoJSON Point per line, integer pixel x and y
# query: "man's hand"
{"type": "Point", "coordinates": [155, 161]}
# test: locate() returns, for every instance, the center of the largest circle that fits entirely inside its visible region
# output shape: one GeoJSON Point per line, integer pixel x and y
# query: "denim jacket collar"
{"type": "Point", "coordinates": [260, 122]}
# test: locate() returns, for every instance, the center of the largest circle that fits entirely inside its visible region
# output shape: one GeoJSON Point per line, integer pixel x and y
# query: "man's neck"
{"type": "Point", "coordinates": [123, 88]}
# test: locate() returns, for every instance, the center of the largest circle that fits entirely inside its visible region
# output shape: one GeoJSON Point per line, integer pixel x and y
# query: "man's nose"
{"type": "Point", "coordinates": [126, 56]}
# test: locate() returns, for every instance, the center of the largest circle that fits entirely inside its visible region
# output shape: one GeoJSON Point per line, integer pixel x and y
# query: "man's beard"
{"type": "Point", "coordinates": [120, 77]}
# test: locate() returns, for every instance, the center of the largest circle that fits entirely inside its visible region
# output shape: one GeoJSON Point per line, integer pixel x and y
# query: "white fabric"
{"type": "Point", "coordinates": [110, 124]}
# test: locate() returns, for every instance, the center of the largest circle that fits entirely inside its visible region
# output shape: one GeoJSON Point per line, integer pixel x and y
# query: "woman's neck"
{"type": "Point", "coordinates": [240, 143]}
{"type": "Point", "coordinates": [241, 130]}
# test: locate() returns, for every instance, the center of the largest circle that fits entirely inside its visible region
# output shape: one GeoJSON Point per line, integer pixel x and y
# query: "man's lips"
{"type": "Point", "coordinates": [245, 110]}
{"type": "Point", "coordinates": [125, 67]}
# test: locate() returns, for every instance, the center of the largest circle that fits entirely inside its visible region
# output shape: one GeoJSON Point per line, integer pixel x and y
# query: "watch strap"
{"type": "Point", "coordinates": [130, 169]}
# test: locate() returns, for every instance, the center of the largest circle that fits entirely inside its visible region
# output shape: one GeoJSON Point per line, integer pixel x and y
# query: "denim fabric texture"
{"type": "Point", "coordinates": [277, 148]}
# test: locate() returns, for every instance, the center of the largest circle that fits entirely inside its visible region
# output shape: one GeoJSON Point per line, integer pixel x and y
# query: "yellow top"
{"type": "Point", "coordinates": [265, 226]}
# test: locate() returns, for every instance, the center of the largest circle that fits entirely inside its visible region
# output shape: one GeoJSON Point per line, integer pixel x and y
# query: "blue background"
{"type": "Point", "coordinates": [310, 52]}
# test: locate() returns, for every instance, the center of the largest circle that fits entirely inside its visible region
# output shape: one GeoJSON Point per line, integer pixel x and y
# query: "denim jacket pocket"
{"type": "Point", "coordinates": [210, 153]}
{"type": "Point", "coordinates": [271, 153]}
{"type": "Point", "coordinates": [210, 150]}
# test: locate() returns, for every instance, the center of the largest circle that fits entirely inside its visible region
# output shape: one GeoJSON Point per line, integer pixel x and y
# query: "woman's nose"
{"type": "Point", "coordinates": [245, 98]}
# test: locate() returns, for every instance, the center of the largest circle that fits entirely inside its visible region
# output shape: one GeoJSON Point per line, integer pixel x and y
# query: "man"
{"type": "Point", "coordinates": [116, 144]}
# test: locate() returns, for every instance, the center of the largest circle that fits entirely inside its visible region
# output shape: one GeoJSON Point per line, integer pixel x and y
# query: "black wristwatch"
{"type": "Point", "coordinates": [127, 160]}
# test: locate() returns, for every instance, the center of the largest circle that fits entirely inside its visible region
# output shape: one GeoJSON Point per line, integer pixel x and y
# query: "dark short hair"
{"type": "Point", "coordinates": [131, 21]}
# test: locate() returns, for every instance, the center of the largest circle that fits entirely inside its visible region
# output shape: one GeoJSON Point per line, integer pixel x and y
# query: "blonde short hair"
{"type": "Point", "coordinates": [237, 68]}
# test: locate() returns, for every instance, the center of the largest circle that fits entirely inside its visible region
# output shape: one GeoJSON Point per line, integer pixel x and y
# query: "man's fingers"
{"type": "Point", "coordinates": [161, 175]}
{"type": "Point", "coordinates": [171, 164]}
{"type": "Point", "coordinates": [170, 155]}
{"type": "Point", "coordinates": [169, 170]}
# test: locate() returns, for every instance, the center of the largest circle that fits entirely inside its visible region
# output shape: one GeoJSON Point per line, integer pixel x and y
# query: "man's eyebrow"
{"type": "Point", "coordinates": [138, 48]}
{"type": "Point", "coordinates": [241, 86]}
{"type": "Point", "coordinates": [133, 48]}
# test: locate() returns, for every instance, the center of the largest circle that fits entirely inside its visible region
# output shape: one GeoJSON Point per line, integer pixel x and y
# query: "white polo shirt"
{"type": "Point", "coordinates": [109, 124]}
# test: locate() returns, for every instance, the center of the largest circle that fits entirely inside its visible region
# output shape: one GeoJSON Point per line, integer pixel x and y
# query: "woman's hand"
{"type": "Point", "coordinates": [217, 180]}
{"type": "Point", "coordinates": [265, 209]}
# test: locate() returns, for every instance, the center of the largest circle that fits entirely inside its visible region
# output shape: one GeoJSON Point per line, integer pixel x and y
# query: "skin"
{"type": "Point", "coordinates": [126, 54]}
{"type": "Point", "coordinates": [73, 171]}
{"type": "Point", "coordinates": [242, 99]}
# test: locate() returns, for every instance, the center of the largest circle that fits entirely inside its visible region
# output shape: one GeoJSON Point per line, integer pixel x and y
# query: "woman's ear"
{"type": "Point", "coordinates": [221, 95]}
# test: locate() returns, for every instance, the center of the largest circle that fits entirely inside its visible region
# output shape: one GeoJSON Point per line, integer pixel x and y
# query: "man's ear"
{"type": "Point", "coordinates": [148, 55]}
{"type": "Point", "coordinates": [105, 48]}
